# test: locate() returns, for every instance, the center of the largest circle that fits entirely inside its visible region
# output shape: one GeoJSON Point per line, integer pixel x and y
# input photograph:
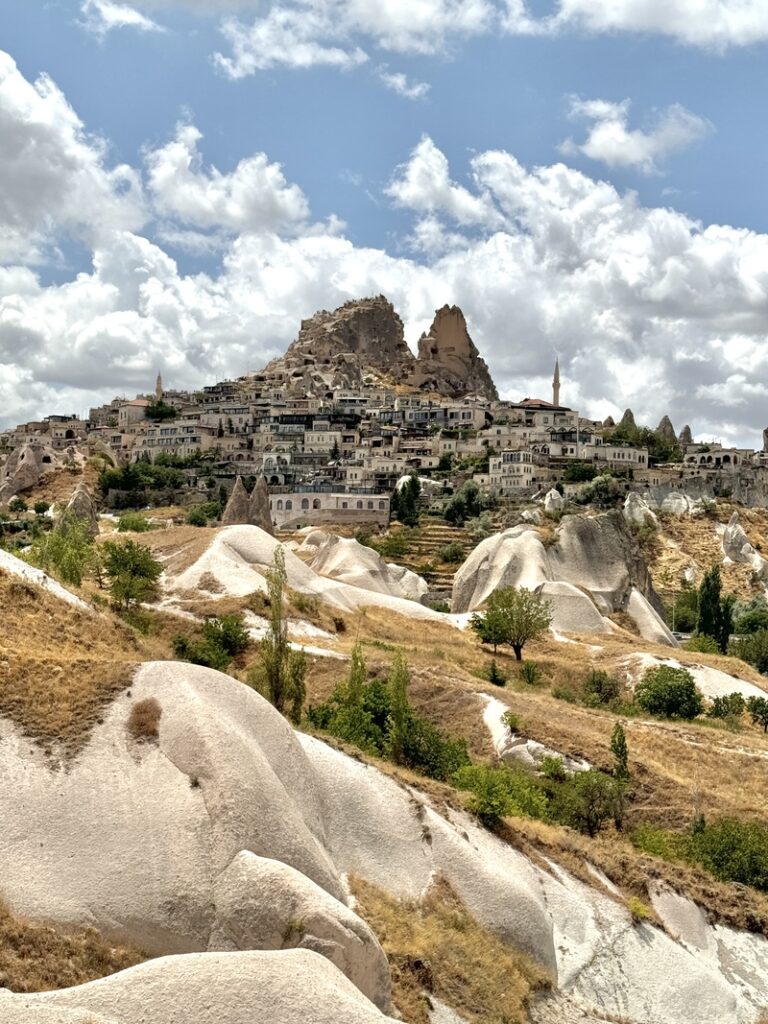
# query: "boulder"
{"type": "Point", "coordinates": [258, 510]}
{"type": "Point", "coordinates": [573, 611]}
{"type": "Point", "coordinates": [238, 508]}
{"type": "Point", "coordinates": [678, 504]}
{"type": "Point", "coordinates": [736, 548]}
{"type": "Point", "coordinates": [637, 513]}
{"type": "Point", "coordinates": [348, 561]}
{"type": "Point", "coordinates": [82, 505]}
{"type": "Point", "coordinates": [554, 502]}
{"type": "Point", "coordinates": [686, 437]}
{"type": "Point", "coordinates": [290, 987]}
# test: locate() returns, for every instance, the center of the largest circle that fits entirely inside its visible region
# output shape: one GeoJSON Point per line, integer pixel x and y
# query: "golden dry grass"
{"type": "Point", "coordinates": [436, 948]}
{"type": "Point", "coordinates": [61, 666]}
{"type": "Point", "coordinates": [39, 958]}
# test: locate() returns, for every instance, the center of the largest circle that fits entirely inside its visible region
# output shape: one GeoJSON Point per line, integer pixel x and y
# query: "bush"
{"type": "Point", "coordinates": [552, 767]}
{"type": "Point", "coordinates": [144, 720]}
{"type": "Point", "coordinates": [700, 643]}
{"type": "Point", "coordinates": [734, 851]}
{"type": "Point", "coordinates": [668, 692]}
{"type": "Point", "coordinates": [529, 672]}
{"type": "Point", "coordinates": [68, 550]}
{"type": "Point", "coordinates": [587, 800]}
{"type": "Point", "coordinates": [752, 648]}
{"type": "Point", "coordinates": [495, 675]}
{"type": "Point", "coordinates": [638, 910]}
{"type": "Point", "coordinates": [41, 507]}
{"type": "Point", "coordinates": [196, 516]}
{"type": "Point", "coordinates": [133, 522]}
{"type": "Point", "coordinates": [17, 505]}
{"type": "Point", "coordinates": [219, 641]}
{"type": "Point", "coordinates": [501, 792]}
{"type": "Point", "coordinates": [452, 553]}
{"type": "Point", "coordinates": [758, 711]}
{"type": "Point", "coordinates": [600, 689]}
{"type": "Point", "coordinates": [731, 705]}
{"type": "Point", "coordinates": [750, 622]}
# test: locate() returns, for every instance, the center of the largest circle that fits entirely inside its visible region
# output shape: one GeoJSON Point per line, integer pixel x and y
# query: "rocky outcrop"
{"type": "Point", "coordinates": [554, 503]}
{"type": "Point", "coordinates": [334, 349]}
{"type": "Point", "coordinates": [609, 423]}
{"type": "Point", "coordinates": [346, 560]}
{"type": "Point", "coordinates": [666, 431]}
{"type": "Point", "coordinates": [593, 568]}
{"type": "Point", "coordinates": [238, 508]}
{"type": "Point", "coordinates": [686, 437]}
{"type": "Point", "coordinates": [448, 360]}
{"type": "Point", "coordinates": [638, 513]}
{"type": "Point", "coordinates": [736, 548]}
{"type": "Point", "coordinates": [628, 419]}
{"type": "Point", "coordinates": [82, 505]}
{"type": "Point", "coordinates": [258, 509]}
{"type": "Point", "coordinates": [289, 987]}
{"type": "Point", "coordinates": [24, 468]}
{"type": "Point", "coordinates": [365, 338]}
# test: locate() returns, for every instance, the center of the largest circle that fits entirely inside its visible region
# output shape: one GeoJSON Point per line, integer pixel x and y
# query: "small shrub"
{"type": "Point", "coordinates": [452, 553]}
{"type": "Point", "coordinates": [734, 851]}
{"type": "Point", "coordinates": [752, 648]}
{"type": "Point", "coordinates": [41, 507]}
{"type": "Point", "coordinates": [495, 675]}
{"type": "Point", "coordinates": [567, 692]}
{"type": "Point", "coordinates": [668, 692]}
{"type": "Point", "coordinates": [220, 640]}
{"type": "Point", "coordinates": [133, 522]}
{"type": "Point", "coordinates": [439, 606]}
{"type": "Point", "coordinates": [144, 720]}
{"type": "Point", "coordinates": [600, 689]}
{"type": "Point", "coordinates": [339, 624]}
{"type": "Point", "coordinates": [731, 705]}
{"type": "Point", "coordinates": [513, 722]}
{"type": "Point", "coordinates": [17, 505]}
{"type": "Point", "coordinates": [587, 800]}
{"type": "Point", "coordinates": [196, 516]}
{"type": "Point", "coordinates": [501, 792]}
{"type": "Point", "coordinates": [702, 644]}
{"type": "Point", "coordinates": [639, 911]}
{"type": "Point", "coordinates": [553, 768]}
{"type": "Point", "coordinates": [529, 672]}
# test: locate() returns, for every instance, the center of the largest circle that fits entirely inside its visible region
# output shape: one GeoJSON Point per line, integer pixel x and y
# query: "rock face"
{"type": "Point", "coordinates": [348, 561]}
{"type": "Point", "coordinates": [333, 349]}
{"type": "Point", "coordinates": [637, 512]}
{"type": "Point", "coordinates": [628, 419]}
{"type": "Point", "coordinates": [82, 505]}
{"type": "Point", "coordinates": [686, 437]}
{"type": "Point", "coordinates": [258, 512]}
{"type": "Point", "coordinates": [365, 336]}
{"type": "Point", "coordinates": [209, 837]}
{"type": "Point", "coordinates": [553, 502]}
{"type": "Point", "coordinates": [665, 430]}
{"type": "Point", "coordinates": [736, 548]}
{"type": "Point", "coordinates": [24, 468]}
{"type": "Point", "coordinates": [594, 568]}
{"type": "Point", "coordinates": [238, 508]}
{"type": "Point", "coordinates": [291, 987]}
{"type": "Point", "coordinates": [448, 360]}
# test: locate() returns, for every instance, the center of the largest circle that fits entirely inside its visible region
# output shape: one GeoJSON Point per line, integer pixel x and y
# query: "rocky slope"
{"type": "Point", "coordinates": [448, 360]}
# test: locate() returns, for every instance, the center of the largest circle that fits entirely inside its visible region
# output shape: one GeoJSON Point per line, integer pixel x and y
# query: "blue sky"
{"type": "Point", "coordinates": [585, 177]}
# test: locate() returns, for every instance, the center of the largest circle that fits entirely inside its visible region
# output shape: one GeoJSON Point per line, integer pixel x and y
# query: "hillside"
{"type": "Point", "coordinates": [186, 769]}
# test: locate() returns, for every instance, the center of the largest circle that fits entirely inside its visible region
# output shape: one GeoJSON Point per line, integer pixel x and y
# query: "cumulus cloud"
{"type": "Point", "coordinates": [402, 85]}
{"type": "Point", "coordinates": [645, 306]}
{"type": "Point", "coordinates": [103, 16]}
{"type": "Point", "coordinates": [254, 197]}
{"type": "Point", "coordinates": [611, 140]}
{"type": "Point", "coordinates": [53, 176]}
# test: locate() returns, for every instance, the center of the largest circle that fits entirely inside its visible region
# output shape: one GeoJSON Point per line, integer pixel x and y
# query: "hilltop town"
{"type": "Point", "coordinates": [348, 411]}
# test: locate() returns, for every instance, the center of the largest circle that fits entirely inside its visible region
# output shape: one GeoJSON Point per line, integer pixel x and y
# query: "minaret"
{"type": "Point", "coordinates": [556, 384]}
{"type": "Point", "coordinates": [159, 388]}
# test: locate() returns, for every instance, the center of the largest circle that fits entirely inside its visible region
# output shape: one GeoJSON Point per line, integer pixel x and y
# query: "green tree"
{"type": "Point", "coordinates": [715, 613]}
{"type": "Point", "coordinates": [67, 551]}
{"type": "Point", "coordinates": [753, 648]}
{"type": "Point", "coordinates": [587, 800]}
{"type": "Point", "coordinates": [406, 502]}
{"type": "Point", "coordinates": [669, 692]}
{"type": "Point", "coordinates": [335, 451]}
{"type": "Point", "coordinates": [513, 616]}
{"type": "Point", "coordinates": [132, 571]}
{"type": "Point", "coordinates": [620, 753]}
{"type": "Point", "coordinates": [758, 711]}
{"type": "Point", "coordinates": [399, 707]}
{"type": "Point", "coordinates": [280, 676]}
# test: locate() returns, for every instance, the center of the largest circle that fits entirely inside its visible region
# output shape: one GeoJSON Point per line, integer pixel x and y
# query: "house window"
{"type": "Point", "coordinates": [304, 504]}
{"type": "Point", "coordinates": [280, 504]}
{"type": "Point", "coordinates": [289, 506]}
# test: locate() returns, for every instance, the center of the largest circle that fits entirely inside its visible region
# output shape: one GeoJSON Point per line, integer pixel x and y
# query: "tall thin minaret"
{"type": "Point", "coordinates": [556, 384]}
{"type": "Point", "coordinates": [159, 388]}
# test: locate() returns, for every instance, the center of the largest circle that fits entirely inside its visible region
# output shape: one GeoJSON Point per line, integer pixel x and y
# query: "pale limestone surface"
{"type": "Point", "coordinates": [554, 502]}
{"type": "Point", "coordinates": [518, 749]}
{"type": "Point", "coordinates": [17, 567]}
{"type": "Point", "coordinates": [637, 511]}
{"type": "Point", "coordinates": [346, 560]}
{"type": "Point", "coordinates": [82, 505]}
{"type": "Point", "coordinates": [182, 831]}
{"type": "Point", "coordinates": [592, 569]}
{"type": "Point", "coordinates": [287, 987]}
{"type": "Point", "coordinates": [736, 548]}
{"type": "Point", "coordinates": [711, 681]}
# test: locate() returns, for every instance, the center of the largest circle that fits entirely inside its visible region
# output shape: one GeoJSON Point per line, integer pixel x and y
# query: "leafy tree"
{"type": "Point", "coordinates": [620, 753]}
{"type": "Point", "coordinates": [587, 800]}
{"type": "Point", "coordinates": [17, 505]}
{"type": "Point", "coordinates": [466, 503]}
{"type": "Point", "coordinates": [579, 472]}
{"type": "Point", "coordinates": [758, 711]}
{"type": "Point", "coordinates": [752, 621]}
{"type": "Point", "coordinates": [67, 551]}
{"type": "Point", "coordinates": [280, 677]}
{"type": "Point", "coordinates": [513, 616]}
{"type": "Point", "coordinates": [729, 706]}
{"type": "Point", "coordinates": [669, 692]}
{"type": "Point", "coordinates": [159, 411]}
{"type": "Point", "coordinates": [500, 792]}
{"type": "Point", "coordinates": [399, 708]}
{"type": "Point", "coordinates": [734, 851]}
{"type": "Point", "coordinates": [133, 522]}
{"type": "Point", "coordinates": [41, 507]}
{"type": "Point", "coordinates": [335, 451]}
{"type": "Point", "coordinates": [715, 613]}
{"type": "Point", "coordinates": [445, 462]}
{"type": "Point", "coordinates": [603, 492]}
{"type": "Point", "coordinates": [196, 516]}
{"type": "Point", "coordinates": [405, 502]}
{"type": "Point", "coordinates": [132, 571]}
{"type": "Point", "coordinates": [753, 648]}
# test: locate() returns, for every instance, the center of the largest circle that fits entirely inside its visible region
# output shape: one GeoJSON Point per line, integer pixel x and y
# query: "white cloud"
{"type": "Point", "coordinates": [103, 16]}
{"type": "Point", "coordinates": [254, 197]}
{"type": "Point", "coordinates": [53, 177]}
{"type": "Point", "coordinates": [611, 140]}
{"type": "Point", "coordinates": [645, 306]}
{"type": "Point", "coordinates": [402, 85]}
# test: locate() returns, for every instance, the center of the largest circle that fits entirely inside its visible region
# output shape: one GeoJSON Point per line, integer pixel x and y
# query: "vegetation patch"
{"type": "Point", "coordinates": [144, 720]}
{"type": "Point", "coordinates": [436, 948]}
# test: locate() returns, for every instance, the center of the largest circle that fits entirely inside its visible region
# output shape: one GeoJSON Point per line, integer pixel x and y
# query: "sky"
{"type": "Point", "coordinates": [183, 181]}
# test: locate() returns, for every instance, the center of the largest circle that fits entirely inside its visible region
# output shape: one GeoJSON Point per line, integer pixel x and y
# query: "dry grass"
{"type": "Point", "coordinates": [144, 720]}
{"type": "Point", "coordinates": [39, 958]}
{"type": "Point", "coordinates": [436, 948]}
{"type": "Point", "coordinates": [60, 667]}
